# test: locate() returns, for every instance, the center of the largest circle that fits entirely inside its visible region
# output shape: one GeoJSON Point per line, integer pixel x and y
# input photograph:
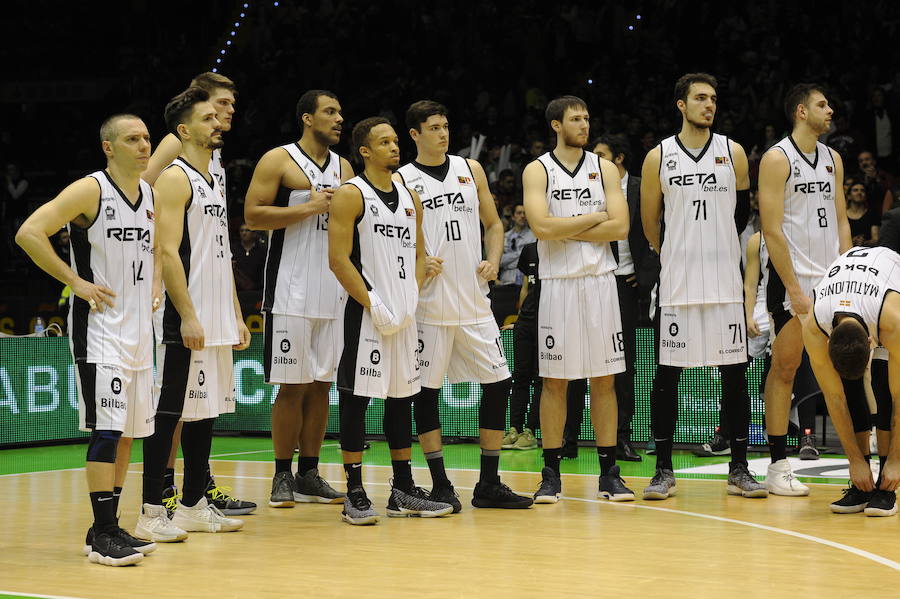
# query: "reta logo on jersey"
{"type": "Point", "coordinates": [571, 194]}
{"type": "Point", "coordinates": [128, 234]}
{"type": "Point", "coordinates": [447, 199]}
{"type": "Point", "coordinates": [214, 210]}
{"type": "Point", "coordinates": [693, 179]}
{"type": "Point", "coordinates": [392, 231]}
{"type": "Point", "coordinates": [813, 187]}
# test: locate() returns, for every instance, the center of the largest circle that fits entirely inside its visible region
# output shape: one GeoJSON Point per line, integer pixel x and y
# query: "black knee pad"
{"type": "Point", "coordinates": [492, 411]}
{"type": "Point", "coordinates": [102, 446]}
{"type": "Point", "coordinates": [398, 423]}
{"type": "Point", "coordinates": [855, 393]}
{"type": "Point", "coordinates": [425, 406]}
{"type": "Point", "coordinates": [353, 421]}
{"type": "Point", "coordinates": [882, 391]}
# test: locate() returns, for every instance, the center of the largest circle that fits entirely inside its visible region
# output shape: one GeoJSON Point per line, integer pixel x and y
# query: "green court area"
{"type": "Point", "coordinates": [830, 469]}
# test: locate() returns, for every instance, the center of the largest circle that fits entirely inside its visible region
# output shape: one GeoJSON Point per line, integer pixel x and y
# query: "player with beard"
{"type": "Point", "coordinates": [698, 182]}
{"type": "Point", "coordinates": [290, 195]}
{"type": "Point", "coordinates": [575, 207]}
{"type": "Point", "coordinates": [804, 223]}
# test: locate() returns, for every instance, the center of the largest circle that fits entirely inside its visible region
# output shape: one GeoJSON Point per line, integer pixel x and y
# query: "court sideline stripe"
{"type": "Point", "coordinates": [19, 594]}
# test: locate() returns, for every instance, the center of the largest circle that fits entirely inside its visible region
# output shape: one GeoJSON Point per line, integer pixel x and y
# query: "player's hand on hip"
{"type": "Point", "coordinates": [382, 317]}
{"type": "Point", "coordinates": [243, 335]}
{"type": "Point", "coordinates": [800, 303]}
{"type": "Point", "coordinates": [98, 297]}
{"type": "Point", "coordinates": [861, 475]}
{"type": "Point", "coordinates": [487, 271]}
{"type": "Point", "coordinates": [192, 335]}
{"type": "Point", "coordinates": [632, 280]}
{"type": "Point", "coordinates": [753, 329]}
{"type": "Point", "coordinates": [156, 296]}
{"type": "Point", "coordinates": [433, 266]}
{"type": "Point", "coordinates": [320, 201]}
{"type": "Point", "coordinates": [890, 475]}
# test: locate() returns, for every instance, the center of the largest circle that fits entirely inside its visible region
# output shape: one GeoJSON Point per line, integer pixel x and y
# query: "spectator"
{"type": "Point", "coordinates": [506, 193]}
{"type": "Point", "coordinates": [514, 240]}
{"type": "Point", "coordinates": [877, 124]}
{"type": "Point", "coordinates": [61, 245]}
{"type": "Point", "coordinates": [16, 201]}
{"type": "Point", "coordinates": [878, 183]}
{"type": "Point", "coordinates": [864, 221]}
{"type": "Point", "coordinates": [249, 259]}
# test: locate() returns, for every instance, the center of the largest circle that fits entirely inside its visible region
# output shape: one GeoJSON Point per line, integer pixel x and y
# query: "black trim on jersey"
{"type": "Point", "coordinates": [567, 171]}
{"type": "Point", "coordinates": [134, 207]}
{"type": "Point", "coordinates": [273, 255]}
{"type": "Point", "coordinates": [267, 348]}
{"type": "Point", "coordinates": [81, 256]}
{"type": "Point", "coordinates": [546, 175]}
{"type": "Point", "coordinates": [87, 376]}
{"type": "Point", "coordinates": [730, 157]}
{"type": "Point", "coordinates": [813, 311]}
{"type": "Point", "coordinates": [311, 159]}
{"type": "Point", "coordinates": [99, 201]}
{"type": "Point", "coordinates": [355, 251]}
{"type": "Point", "coordinates": [802, 155]}
{"type": "Point", "coordinates": [174, 377]}
{"type": "Point", "coordinates": [211, 181]}
{"type": "Point", "coordinates": [699, 156]}
{"type": "Point", "coordinates": [603, 185]}
{"type": "Point", "coordinates": [346, 372]}
{"type": "Point", "coordinates": [438, 172]}
{"type": "Point", "coordinates": [171, 317]}
{"type": "Point", "coordinates": [387, 197]}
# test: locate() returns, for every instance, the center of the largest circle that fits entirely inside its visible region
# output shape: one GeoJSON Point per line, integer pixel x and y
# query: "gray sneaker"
{"type": "Point", "coordinates": [282, 490]}
{"type": "Point", "coordinates": [358, 509]}
{"type": "Point", "coordinates": [741, 482]}
{"type": "Point", "coordinates": [312, 488]}
{"type": "Point", "coordinates": [662, 485]}
{"type": "Point", "coordinates": [415, 502]}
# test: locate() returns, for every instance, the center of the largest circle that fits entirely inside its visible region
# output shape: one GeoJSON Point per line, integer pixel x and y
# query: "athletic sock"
{"type": "Point", "coordinates": [664, 454]}
{"type": "Point", "coordinates": [353, 471]}
{"type": "Point", "coordinates": [435, 460]}
{"type": "Point", "coordinates": [607, 456]}
{"type": "Point", "coordinates": [116, 492]}
{"type": "Point", "coordinates": [490, 464]}
{"type": "Point", "coordinates": [104, 513]}
{"type": "Point", "coordinates": [738, 451]}
{"type": "Point", "coordinates": [305, 464]}
{"type": "Point", "coordinates": [552, 456]}
{"type": "Point", "coordinates": [778, 447]}
{"type": "Point", "coordinates": [282, 465]}
{"type": "Point", "coordinates": [403, 479]}
{"type": "Point", "coordinates": [169, 479]}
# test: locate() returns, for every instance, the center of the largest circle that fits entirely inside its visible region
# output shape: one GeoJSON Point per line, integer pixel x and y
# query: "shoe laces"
{"type": "Point", "coordinates": [220, 493]}
{"type": "Point", "coordinates": [359, 499]}
{"type": "Point", "coordinates": [170, 503]}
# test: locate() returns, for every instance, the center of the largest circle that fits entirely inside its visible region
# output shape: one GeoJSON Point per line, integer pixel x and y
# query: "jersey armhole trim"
{"type": "Point", "coordinates": [362, 212]}
{"type": "Point", "coordinates": [99, 197]}
{"type": "Point", "coordinates": [813, 311]}
{"type": "Point", "coordinates": [730, 155]}
{"type": "Point", "coordinates": [300, 167]}
{"type": "Point", "coordinates": [546, 175]}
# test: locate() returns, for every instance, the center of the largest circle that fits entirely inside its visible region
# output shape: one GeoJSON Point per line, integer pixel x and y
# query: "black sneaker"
{"type": "Point", "coordinates": [807, 449]}
{"type": "Point", "coordinates": [109, 550]}
{"type": "Point", "coordinates": [717, 445]}
{"type": "Point", "coordinates": [612, 487]}
{"type": "Point", "coordinates": [551, 487]}
{"type": "Point", "coordinates": [141, 545]}
{"type": "Point", "coordinates": [358, 509]}
{"type": "Point", "coordinates": [853, 501]}
{"type": "Point", "coordinates": [445, 493]}
{"type": "Point", "coordinates": [498, 495]}
{"type": "Point", "coordinates": [882, 503]}
{"type": "Point", "coordinates": [404, 503]}
{"type": "Point", "coordinates": [228, 505]}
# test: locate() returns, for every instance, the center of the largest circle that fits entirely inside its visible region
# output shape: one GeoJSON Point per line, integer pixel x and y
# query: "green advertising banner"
{"type": "Point", "coordinates": [38, 401]}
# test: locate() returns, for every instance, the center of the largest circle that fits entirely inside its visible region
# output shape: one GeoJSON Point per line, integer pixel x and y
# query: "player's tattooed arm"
{"type": "Point", "coordinates": [489, 268]}
{"type": "Point", "coordinates": [544, 226]}
{"type": "Point", "coordinates": [167, 151]}
{"type": "Point", "coordinates": [615, 227]}
{"type": "Point", "coordinates": [651, 198]}
{"type": "Point", "coordinates": [274, 170]}
{"type": "Point", "coordinates": [348, 205]}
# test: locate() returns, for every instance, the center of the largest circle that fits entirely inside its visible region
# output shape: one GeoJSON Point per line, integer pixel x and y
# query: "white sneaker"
{"type": "Point", "coordinates": [780, 480]}
{"type": "Point", "coordinates": [154, 525]}
{"type": "Point", "coordinates": [204, 517]}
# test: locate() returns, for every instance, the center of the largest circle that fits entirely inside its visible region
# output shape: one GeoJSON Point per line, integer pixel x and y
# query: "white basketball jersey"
{"type": "Point", "coordinates": [857, 283]}
{"type": "Point", "coordinates": [701, 251]}
{"type": "Point", "coordinates": [451, 226]}
{"type": "Point", "coordinates": [115, 251]}
{"type": "Point", "coordinates": [384, 249]}
{"type": "Point", "coordinates": [810, 218]}
{"type": "Point", "coordinates": [297, 280]}
{"type": "Point", "coordinates": [573, 194]}
{"type": "Point", "coordinates": [206, 255]}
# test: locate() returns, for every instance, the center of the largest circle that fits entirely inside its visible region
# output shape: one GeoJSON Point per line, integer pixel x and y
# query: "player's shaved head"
{"type": "Point", "coordinates": [849, 348]}
{"type": "Point", "coordinates": [109, 129]}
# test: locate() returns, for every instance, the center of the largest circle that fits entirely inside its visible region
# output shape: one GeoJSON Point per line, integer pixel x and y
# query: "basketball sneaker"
{"type": "Point", "coordinates": [807, 447]}
{"type": "Point", "coordinates": [358, 509]}
{"type": "Point", "coordinates": [882, 503]}
{"type": "Point", "coordinates": [415, 502]}
{"type": "Point", "coordinates": [225, 503]}
{"type": "Point", "coordinates": [718, 445]}
{"type": "Point", "coordinates": [662, 485]}
{"type": "Point", "coordinates": [498, 495]}
{"type": "Point", "coordinates": [853, 501]}
{"type": "Point", "coordinates": [509, 439]}
{"type": "Point", "coordinates": [144, 547]}
{"type": "Point", "coordinates": [154, 525]}
{"type": "Point", "coordinates": [742, 482]}
{"type": "Point", "coordinates": [781, 481]}
{"type": "Point", "coordinates": [445, 493]}
{"type": "Point", "coordinates": [282, 490]}
{"type": "Point", "coordinates": [526, 440]}
{"type": "Point", "coordinates": [551, 487]}
{"type": "Point", "coordinates": [204, 517]}
{"type": "Point", "coordinates": [170, 497]}
{"type": "Point", "coordinates": [110, 550]}
{"type": "Point", "coordinates": [612, 487]}
{"type": "Point", "coordinates": [312, 488]}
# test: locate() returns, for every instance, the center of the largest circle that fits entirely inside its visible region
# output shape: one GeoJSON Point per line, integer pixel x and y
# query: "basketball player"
{"type": "Point", "coordinates": [202, 318]}
{"type": "Point", "coordinates": [701, 178]}
{"type": "Point", "coordinates": [222, 95]}
{"type": "Point", "coordinates": [575, 207]}
{"type": "Point", "coordinates": [804, 223]}
{"type": "Point", "coordinates": [457, 331]}
{"type": "Point", "coordinates": [290, 194]}
{"type": "Point", "coordinates": [109, 215]}
{"type": "Point", "coordinates": [377, 252]}
{"type": "Point", "coordinates": [856, 305]}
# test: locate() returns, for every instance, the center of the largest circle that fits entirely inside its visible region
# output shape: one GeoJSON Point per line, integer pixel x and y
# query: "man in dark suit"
{"type": "Point", "coordinates": [631, 255]}
{"type": "Point", "coordinates": [889, 234]}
